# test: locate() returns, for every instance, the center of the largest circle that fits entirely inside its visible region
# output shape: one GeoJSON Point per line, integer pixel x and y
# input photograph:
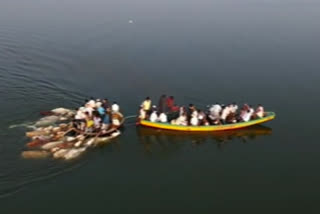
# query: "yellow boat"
{"type": "Point", "coordinates": [268, 116]}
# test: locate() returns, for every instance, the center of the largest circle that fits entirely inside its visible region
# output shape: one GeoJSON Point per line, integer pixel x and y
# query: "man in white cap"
{"type": "Point", "coordinates": [115, 107]}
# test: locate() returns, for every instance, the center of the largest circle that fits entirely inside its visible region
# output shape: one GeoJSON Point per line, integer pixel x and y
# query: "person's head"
{"type": "Point", "coordinates": [234, 103]}
{"type": "Point", "coordinates": [163, 96]}
{"type": "Point", "coordinates": [114, 102]}
{"type": "Point", "coordinates": [91, 98]}
{"type": "Point", "coordinates": [171, 97]}
{"type": "Point", "coordinates": [105, 100]}
{"type": "Point", "coordinates": [147, 98]}
{"type": "Point", "coordinates": [191, 105]}
{"type": "Point", "coordinates": [259, 105]}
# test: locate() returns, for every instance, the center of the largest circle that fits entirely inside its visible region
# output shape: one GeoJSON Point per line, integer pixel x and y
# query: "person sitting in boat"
{"type": "Point", "coordinates": [154, 117]}
{"type": "Point", "coordinates": [106, 121]}
{"type": "Point", "coordinates": [182, 110]}
{"type": "Point", "coordinates": [146, 105]}
{"type": "Point", "coordinates": [224, 114]}
{"type": "Point", "coordinates": [202, 117]}
{"type": "Point", "coordinates": [181, 120]}
{"type": "Point", "coordinates": [115, 107]}
{"type": "Point", "coordinates": [259, 111]}
{"type": "Point", "coordinates": [234, 108]}
{"type": "Point", "coordinates": [194, 121]}
{"type": "Point", "coordinates": [116, 118]}
{"type": "Point", "coordinates": [88, 109]}
{"type": "Point", "coordinates": [80, 114]}
{"type": "Point", "coordinates": [247, 115]}
{"type": "Point", "coordinates": [91, 103]}
{"type": "Point", "coordinates": [194, 113]}
{"type": "Point", "coordinates": [96, 120]}
{"type": "Point", "coordinates": [89, 123]}
{"type": "Point", "coordinates": [163, 118]}
{"type": "Point", "coordinates": [214, 113]}
{"type": "Point", "coordinates": [162, 104]}
{"type": "Point", "coordinates": [231, 118]}
{"type": "Point", "coordinates": [80, 118]}
{"type": "Point", "coordinates": [101, 110]}
{"type": "Point", "coordinates": [142, 113]}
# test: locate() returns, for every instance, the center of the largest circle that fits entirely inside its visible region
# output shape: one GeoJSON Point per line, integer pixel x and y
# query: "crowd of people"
{"type": "Point", "coordinates": [97, 116]}
{"type": "Point", "coordinates": [217, 114]}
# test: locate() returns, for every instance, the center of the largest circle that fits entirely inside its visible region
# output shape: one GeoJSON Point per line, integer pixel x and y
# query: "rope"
{"type": "Point", "coordinates": [131, 116]}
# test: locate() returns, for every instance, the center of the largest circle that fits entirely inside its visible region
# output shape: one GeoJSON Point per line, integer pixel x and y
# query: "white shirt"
{"type": "Point", "coordinates": [215, 111]}
{"type": "Point", "coordinates": [163, 118]}
{"type": "Point", "coordinates": [194, 121]}
{"type": "Point", "coordinates": [247, 116]}
{"type": "Point", "coordinates": [91, 103]}
{"type": "Point", "coordinates": [194, 114]}
{"type": "Point", "coordinates": [154, 117]}
{"type": "Point", "coordinates": [80, 115]}
{"type": "Point", "coordinates": [260, 111]}
{"type": "Point", "coordinates": [142, 114]}
{"type": "Point", "coordinates": [89, 110]}
{"type": "Point", "coordinates": [182, 120]}
{"type": "Point", "coordinates": [225, 112]}
{"type": "Point", "coordinates": [115, 107]}
{"type": "Point", "coordinates": [234, 109]}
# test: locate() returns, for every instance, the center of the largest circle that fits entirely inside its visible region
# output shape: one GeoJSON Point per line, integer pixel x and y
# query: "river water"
{"type": "Point", "coordinates": [55, 54]}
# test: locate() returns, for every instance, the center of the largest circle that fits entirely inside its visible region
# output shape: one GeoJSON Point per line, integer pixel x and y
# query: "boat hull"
{"type": "Point", "coordinates": [269, 116]}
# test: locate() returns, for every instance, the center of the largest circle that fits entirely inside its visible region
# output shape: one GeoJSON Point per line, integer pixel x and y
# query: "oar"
{"type": "Point", "coordinates": [96, 137]}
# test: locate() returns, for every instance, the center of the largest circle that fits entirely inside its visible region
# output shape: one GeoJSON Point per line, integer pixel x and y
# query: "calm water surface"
{"type": "Point", "coordinates": [58, 53]}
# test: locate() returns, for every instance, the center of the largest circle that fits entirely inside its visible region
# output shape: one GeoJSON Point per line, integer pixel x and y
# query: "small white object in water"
{"type": "Point", "coordinates": [130, 21]}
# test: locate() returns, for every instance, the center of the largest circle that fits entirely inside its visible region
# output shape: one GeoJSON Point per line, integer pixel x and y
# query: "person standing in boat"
{"type": "Point", "coordinates": [105, 104]}
{"type": "Point", "coordinates": [171, 107]}
{"type": "Point", "coordinates": [146, 105]}
{"type": "Point", "coordinates": [162, 104]}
